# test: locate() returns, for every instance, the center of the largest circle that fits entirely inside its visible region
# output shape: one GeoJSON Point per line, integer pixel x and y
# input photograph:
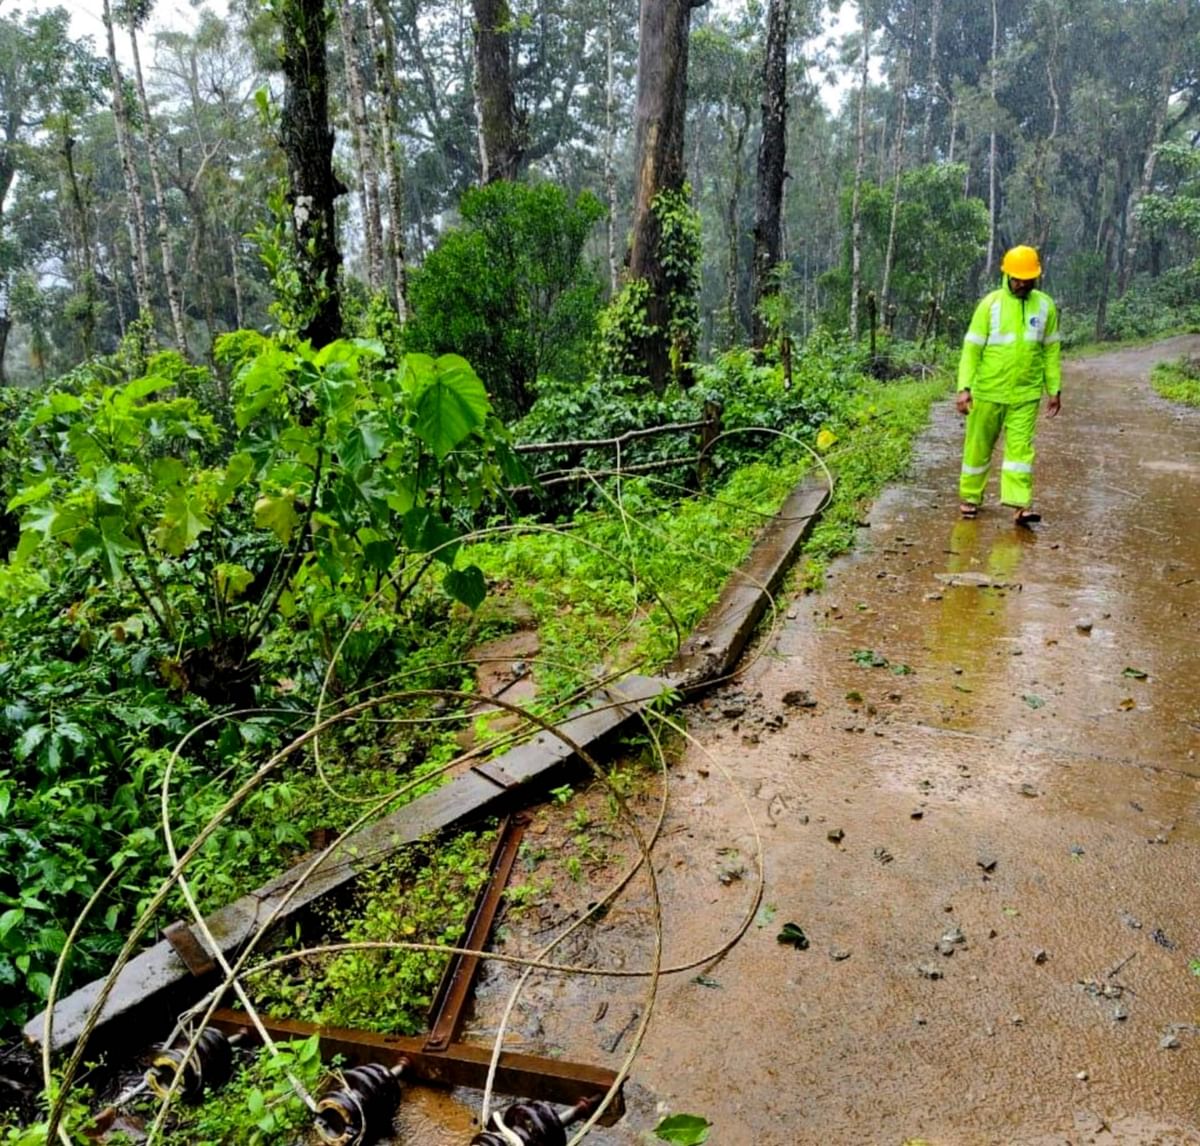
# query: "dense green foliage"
{"type": "Point", "coordinates": [171, 564]}
{"type": "Point", "coordinates": [747, 394]}
{"type": "Point", "coordinates": [940, 234]}
{"type": "Point", "coordinates": [1155, 306]}
{"type": "Point", "coordinates": [509, 288]}
{"type": "Point", "coordinates": [259, 1106]}
{"type": "Point", "coordinates": [1178, 381]}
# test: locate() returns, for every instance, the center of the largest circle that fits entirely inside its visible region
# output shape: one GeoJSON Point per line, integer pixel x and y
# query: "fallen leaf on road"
{"type": "Point", "coordinates": [683, 1129]}
{"type": "Point", "coordinates": [869, 658]}
{"type": "Point", "coordinates": [1135, 674]}
{"type": "Point", "coordinates": [793, 934]}
{"type": "Point", "coordinates": [1033, 700]}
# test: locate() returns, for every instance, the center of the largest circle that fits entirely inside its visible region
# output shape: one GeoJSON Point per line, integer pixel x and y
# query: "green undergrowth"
{"type": "Point", "coordinates": [1178, 381]}
{"type": "Point", "coordinates": [622, 585]}
{"type": "Point", "coordinates": [421, 895]}
{"type": "Point", "coordinates": [258, 1106]}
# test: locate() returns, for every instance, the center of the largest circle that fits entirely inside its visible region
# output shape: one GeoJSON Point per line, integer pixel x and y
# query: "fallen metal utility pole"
{"type": "Point", "coordinates": [364, 1108]}
{"type": "Point", "coordinates": [171, 975]}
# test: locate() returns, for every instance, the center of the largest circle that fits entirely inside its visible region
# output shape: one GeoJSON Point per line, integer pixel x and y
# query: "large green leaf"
{"type": "Point", "coordinates": [107, 541]}
{"type": "Point", "coordinates": [450, 404]}
{"type": "Point", "coordinates": [57, 404]}
{"type": "Point", "coordinates": [364, 442]}
{"type": "Point", "coordinates": [278, 514]}
{"type": "Point", "coordinates": [426, 532]}
{"type": "Point", "coordinates": [184, 519]}
{"type": "Point", "coordinates": [31, 494]}
{"type": "Point", "coordinates": [466, 585]}
{"type": "Point", "coordinates": [232, 580]}
{"type": "Point", "coordinates": [239, 467]}
{"type": "Point", "coordinates": [684, 1129]}
{"type": "Point", "coordinates": [141, 388]}
{"type": "Point", "coordinates": [259, 382]}
{"type": "Point", "coordinates": [168, 472]}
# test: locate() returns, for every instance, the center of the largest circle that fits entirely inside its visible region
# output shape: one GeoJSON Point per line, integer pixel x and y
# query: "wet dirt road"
{"type": "Point", "coordinates": [1004, 786]}
{"type": "Point", "coordinates": [1021, 742]}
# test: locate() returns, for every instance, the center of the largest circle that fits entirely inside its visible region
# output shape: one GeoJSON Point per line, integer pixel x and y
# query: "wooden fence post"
{"type": "Point", "coordinates": [709, 432]}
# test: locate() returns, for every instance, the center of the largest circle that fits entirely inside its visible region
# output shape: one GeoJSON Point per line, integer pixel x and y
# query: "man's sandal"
{"type": "Point", "coordinates": [1026, 517]}
{"type": "Point", "coordinates": [968, 509]}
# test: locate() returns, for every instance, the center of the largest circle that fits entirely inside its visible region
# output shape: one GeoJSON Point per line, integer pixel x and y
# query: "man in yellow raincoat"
{"type": "Point", "coordinates": [1010, 358]}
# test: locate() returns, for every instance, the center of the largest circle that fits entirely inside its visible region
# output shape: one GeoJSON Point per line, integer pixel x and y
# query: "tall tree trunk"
{"type": "Point", "coordinates": [5, 327]}
{"type": "Point", "coordinates": [364, 144]}
{"type": "Point", "coordinates": [733, 230]}
{"type": "Point", "coordinates": [383, 49]}
{"type": "Point", "coordinates": [114, 276]}
{"type": "Point", "coordinates": [1042, 213]}
{"type": "Point", "coordinates": [1105, 245]}
{"type": "Point", "coordinates": [1158, 119]}
{"type": "Point", "coordinates": [135, 207]}
{"type": "Point", "coordinates": [307, 142]}
{"type": "Point", "coordinates": [897, 172]}
{"type": "Point", "coordinates": [8, 174]}
{"type": "Point", "coordinates": [932, 83]}
{"type": "Point", "coordinates": [86, 259]}
{"type": "Point", "coordinates": [610, 145]}
{"type": "Point", "coordinates": [772, 161]}
{"type": "Point", "coordinates": [661, 108]}
{"type": "Point", "coordinates": [500, 149]}
{"type": "Point", "coordinates": [856, 197]}
{"type": "Point", "coordinates": [991, 250]}
{"type": "Point", "coordinates": [174, 299]}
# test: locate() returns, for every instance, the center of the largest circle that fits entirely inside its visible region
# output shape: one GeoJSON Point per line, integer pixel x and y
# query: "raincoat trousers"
{"type": "Point", "coordinates": [1010, 358]}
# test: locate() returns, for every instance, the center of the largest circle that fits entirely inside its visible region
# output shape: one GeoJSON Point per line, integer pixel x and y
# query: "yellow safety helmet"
{"type": "Point", "coordinates": [1022, 263]}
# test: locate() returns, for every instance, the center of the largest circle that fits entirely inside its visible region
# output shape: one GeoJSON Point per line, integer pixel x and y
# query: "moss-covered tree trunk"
{"type": "Point", "coordinates": [307, 141]}
{"type": "Point", "coordinates": [661, 107]}
{"type": "Point", "coordinates": [500, 148]}
{"type": "Point", "coordinates": [772, 157]}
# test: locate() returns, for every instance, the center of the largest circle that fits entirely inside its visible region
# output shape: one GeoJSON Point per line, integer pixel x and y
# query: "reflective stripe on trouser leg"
{"type": "Point", "coordinates": [984, 423]}
{"type": "Point", "coordinates": [1016, 475]}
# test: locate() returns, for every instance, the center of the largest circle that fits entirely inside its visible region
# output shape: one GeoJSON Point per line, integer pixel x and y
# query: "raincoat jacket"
{"type": "Point", "coordinates": [1011, 350]}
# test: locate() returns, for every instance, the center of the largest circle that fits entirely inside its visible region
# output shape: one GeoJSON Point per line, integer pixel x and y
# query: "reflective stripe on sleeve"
{"type": "Point", "coordinates": [1055, 337]}
{"type": "Point", "coordinates": [974, 339]}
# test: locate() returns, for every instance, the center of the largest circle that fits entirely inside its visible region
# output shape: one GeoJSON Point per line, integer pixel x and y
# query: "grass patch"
{"type": "Point", "coordinates": [1178, 381]}
{"type": "Point", "coordinates": [421, 895]}
{"type": "Point", "coordinates": [611, 589]}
